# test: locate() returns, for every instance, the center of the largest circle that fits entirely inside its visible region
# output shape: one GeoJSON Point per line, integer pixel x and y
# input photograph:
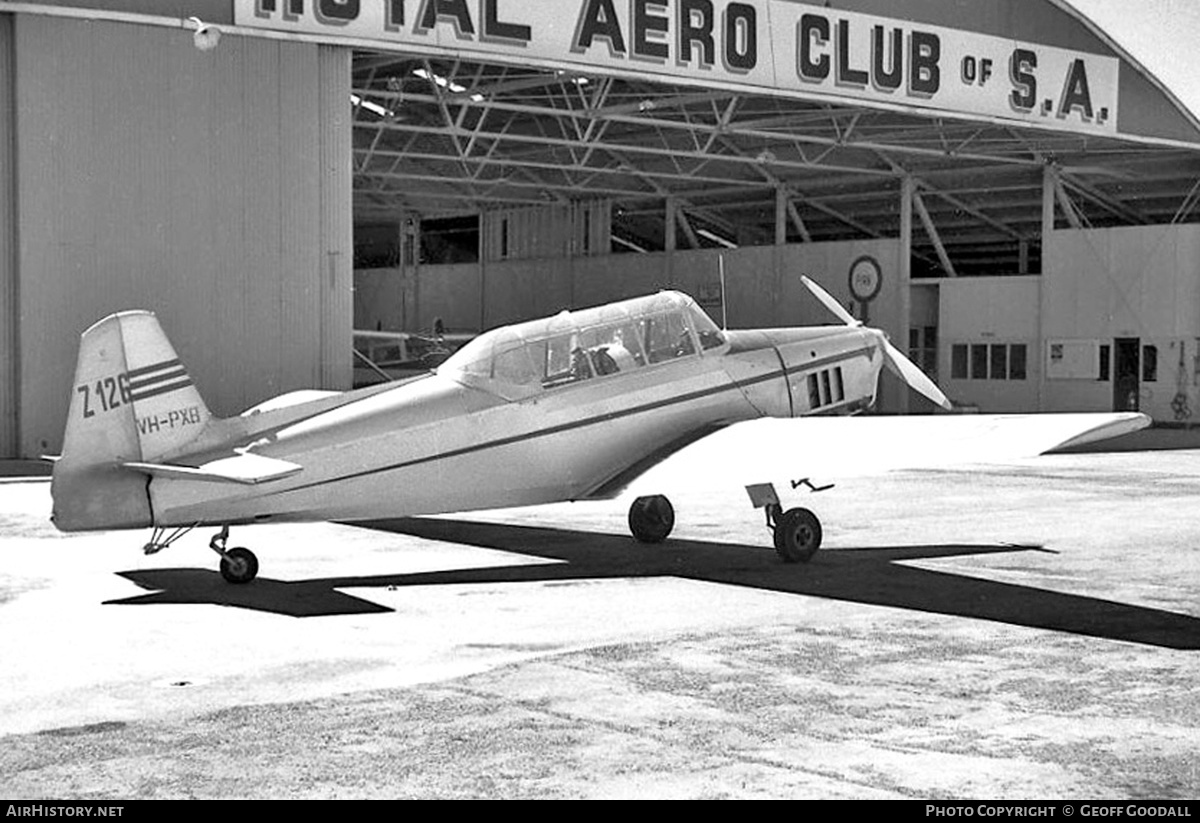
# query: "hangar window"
{"type": "Point", "coordinates": [995, 361]}
{"type": "Point", "coordinates": [1150, 364]}
{"type": "Point", "coordinates": [1016, 361]}
{"type": "Point", "coordinates": [923, 348]}
{"type": "Point", "coordinates": [999, 363]}
{"type": "Point", "coordinates": [958, 362]}
{"type": "Point", "coordinates": [450, 240]}
{"type": "Point", "coordinates": [979, 362]}
{"type": "Point", "coordinates": [376, 246]}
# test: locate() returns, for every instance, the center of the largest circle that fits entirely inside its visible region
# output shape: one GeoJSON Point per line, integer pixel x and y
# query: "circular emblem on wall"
{"type": "Point", "coordinates": [866, 278]}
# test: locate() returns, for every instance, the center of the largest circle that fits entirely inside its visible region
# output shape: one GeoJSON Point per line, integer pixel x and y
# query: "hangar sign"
{"type": "Point", "coordinates": [762, 45]}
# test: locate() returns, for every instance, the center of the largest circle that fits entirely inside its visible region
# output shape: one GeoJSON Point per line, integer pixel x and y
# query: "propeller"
{"type": "Point", "coordinates": [895, 359]}
{"type": "Point", "coordinates": [830, 302]}
{"type": "Point", "coordinates": [910, 373]}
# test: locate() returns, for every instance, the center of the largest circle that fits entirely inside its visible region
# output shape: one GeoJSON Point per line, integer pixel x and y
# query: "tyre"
{"type": "Point", "coordinates": [239, 565]}
{"type": "Point", "coordinates": [797, 535]}
{"type": "Point", "coordinates": [651, 519]}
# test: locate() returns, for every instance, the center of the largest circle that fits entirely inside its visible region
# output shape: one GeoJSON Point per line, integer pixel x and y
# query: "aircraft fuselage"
{"type": "Point", "coordinates": [444, 444]}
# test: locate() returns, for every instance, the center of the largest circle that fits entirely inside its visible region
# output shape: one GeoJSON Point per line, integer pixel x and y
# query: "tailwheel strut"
{"type": "Point", "coordinates": [163, 536]}
{"type": "Point", "coordinates": [238, 565]}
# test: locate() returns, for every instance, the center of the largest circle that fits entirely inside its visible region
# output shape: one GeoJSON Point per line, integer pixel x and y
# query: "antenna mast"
{"type": "Point", "coordinates": [724, 315]}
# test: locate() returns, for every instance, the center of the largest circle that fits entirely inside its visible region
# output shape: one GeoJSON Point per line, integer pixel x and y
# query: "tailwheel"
{"type": "Point", "coordinates": [239, 565]}
{"type": "Point", "coordinates": [797, 535]}
{"type": "Point", "coordinates": [651, 519]}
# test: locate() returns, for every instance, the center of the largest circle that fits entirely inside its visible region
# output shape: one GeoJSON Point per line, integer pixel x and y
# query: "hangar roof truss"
{"type": "Point", "coordinates": [440, 137]}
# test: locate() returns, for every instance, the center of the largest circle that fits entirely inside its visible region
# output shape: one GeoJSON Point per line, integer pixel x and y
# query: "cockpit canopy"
{"type": "Point", "coordinates": [520, 360]}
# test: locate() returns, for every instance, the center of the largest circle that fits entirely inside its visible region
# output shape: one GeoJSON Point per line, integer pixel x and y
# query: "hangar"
{"type": "Point", "coordinates": [995, 182]}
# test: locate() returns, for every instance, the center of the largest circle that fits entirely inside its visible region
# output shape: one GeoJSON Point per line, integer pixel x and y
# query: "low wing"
{"type": "Point", "coordinates": [245, 469]}
{"type": "Point", "coordinates": [770, 450]}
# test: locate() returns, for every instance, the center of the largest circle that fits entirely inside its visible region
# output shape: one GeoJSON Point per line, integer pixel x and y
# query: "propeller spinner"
{"type": "Point", "coordinates": [899, 364]}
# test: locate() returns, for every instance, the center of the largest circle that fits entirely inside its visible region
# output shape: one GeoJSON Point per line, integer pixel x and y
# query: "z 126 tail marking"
{"type": "Point", "coordinates": [110, 393]}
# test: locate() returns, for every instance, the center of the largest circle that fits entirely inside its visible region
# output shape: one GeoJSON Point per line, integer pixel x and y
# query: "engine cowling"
{"type": "Point", "coordinates": [812, 370]}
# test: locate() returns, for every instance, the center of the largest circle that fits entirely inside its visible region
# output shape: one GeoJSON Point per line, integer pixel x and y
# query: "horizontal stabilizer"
{"type": "Point", "coordinates": [247, 469]}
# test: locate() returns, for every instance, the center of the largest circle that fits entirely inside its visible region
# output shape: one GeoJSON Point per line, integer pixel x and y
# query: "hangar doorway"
{"type": "Point", "coordinates": [446, 146]}
{"type": "Point", "coordinates": [502, 191]}
{"type": "Point", "coordinates": [1127, 368]}
{"type": "Point", "coordinates": [466, 171]}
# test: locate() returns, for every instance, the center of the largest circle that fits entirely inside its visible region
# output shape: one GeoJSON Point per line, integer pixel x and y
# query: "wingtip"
{"type": "Point", "coordinates": [1107, 427]}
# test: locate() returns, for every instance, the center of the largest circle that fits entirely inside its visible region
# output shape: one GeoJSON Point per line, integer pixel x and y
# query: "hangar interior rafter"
{"type": "Point", "coordinates": [446, 138]}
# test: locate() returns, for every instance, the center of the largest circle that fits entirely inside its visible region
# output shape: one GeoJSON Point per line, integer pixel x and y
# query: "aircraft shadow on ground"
{"type": "Point", "coordinates": [875, 576]}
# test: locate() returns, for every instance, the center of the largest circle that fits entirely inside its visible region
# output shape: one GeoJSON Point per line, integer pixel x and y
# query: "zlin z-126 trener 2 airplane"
{"type": "Point", "coordinates": [571, 407]}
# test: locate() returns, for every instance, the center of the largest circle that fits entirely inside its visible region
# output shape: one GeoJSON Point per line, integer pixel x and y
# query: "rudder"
{"type": "Point", "coordinates": [168, 410]}
{"type": "Point", "coordinates": [132, 400]}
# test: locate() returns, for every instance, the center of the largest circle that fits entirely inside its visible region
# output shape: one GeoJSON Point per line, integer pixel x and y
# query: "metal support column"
{"type": "Point", "coordinates": [781, 216]}
{"type": "Point", "coordinates": [908, 192]}
{"type": "Point", "coordinates": [932, 231]}
{"type": "Point", "coordinates": [1038, 361]}
{"type": "Point", "coordinates": [10, 363]}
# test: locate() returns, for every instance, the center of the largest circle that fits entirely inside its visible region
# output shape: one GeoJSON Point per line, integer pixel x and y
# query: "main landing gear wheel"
{"type": "Point", "coordinates": [797, 535]}
{"type": "Point", "coordinates": [239, 565]}
{"type": "Point", "coordinates": [651, 519]}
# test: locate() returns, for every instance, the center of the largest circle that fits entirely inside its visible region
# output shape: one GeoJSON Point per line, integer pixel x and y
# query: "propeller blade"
{"type": "Point", "coordinates": [900, 365]}
{"type": "Point", "coordinates": [909, 372]}
{"type": "Point", "coordinates": [830, 302]}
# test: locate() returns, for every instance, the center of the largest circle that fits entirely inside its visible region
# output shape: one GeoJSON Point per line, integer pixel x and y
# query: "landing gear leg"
{"type": "Point", "coordinates": [238, 565]}
{"type": "Point", "coordinates": [797, 531]}
{"type": "Point", "coordinates": [651, 519]}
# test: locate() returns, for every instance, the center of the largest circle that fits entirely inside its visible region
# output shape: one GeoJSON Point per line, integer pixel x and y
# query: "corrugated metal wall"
{"type": "Point", "coordinates": [9, 358]}
{"type": "Point", "coordinates": [209, 187]}
{"type": "Point", "coordinates": [337, 218]}
{"type": "Point", "coordinates": [573, 230]}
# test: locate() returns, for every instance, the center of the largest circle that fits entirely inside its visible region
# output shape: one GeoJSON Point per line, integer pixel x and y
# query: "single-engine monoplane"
{"type": "Point", "coordinates": [570, 407]}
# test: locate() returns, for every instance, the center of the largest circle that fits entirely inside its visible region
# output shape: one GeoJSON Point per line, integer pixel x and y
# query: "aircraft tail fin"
{"type": "Point", "coordinates": [132, 401]}
{"type": "Point", "coordinates": [167, 408]}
